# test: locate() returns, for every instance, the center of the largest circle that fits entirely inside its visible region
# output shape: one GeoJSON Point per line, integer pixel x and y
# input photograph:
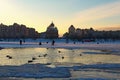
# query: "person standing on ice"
{"type": "Point", "coordinates": [40, 43]}
{"type": "Point", "coordinates": [53, 42]}
{"type": "Point", "coordinates": [20, 42]}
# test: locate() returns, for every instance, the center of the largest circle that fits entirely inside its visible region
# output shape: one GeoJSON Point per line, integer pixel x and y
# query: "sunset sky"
{"type": "Point", "coordinates": [99, 14]}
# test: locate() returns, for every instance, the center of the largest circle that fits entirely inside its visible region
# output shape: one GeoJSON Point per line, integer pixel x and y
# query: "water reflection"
{"type": "Point", "coordinates": [59, 56]}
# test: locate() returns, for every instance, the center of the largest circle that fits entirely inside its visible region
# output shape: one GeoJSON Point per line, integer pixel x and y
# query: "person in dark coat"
{"type": "Point", "coordinates": [20, 42]}
{"type": "Point", "coordinates": [53, 42]}
{"type": "Point", "coordinates": [40, 43]}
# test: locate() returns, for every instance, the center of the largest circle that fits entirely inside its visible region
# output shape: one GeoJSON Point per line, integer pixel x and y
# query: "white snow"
{"type": "Point", "coordinates": [34, 71]}
{"type": "Point", "coordinates": [110, 45]}
{"type": "Point", "coordinates": [98, 71]}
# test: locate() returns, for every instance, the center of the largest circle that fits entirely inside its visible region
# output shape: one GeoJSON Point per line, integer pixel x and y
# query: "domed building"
{"type": "Point", "coordinates": [51, 32]}
{"type": "Point", "coordinates": [71, 32]}
{"type": "Point", "coordinates": [71, 29]}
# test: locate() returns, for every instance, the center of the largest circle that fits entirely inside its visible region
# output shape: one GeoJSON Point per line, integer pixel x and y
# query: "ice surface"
{"type": "Point", "coordinates": [42, 71]}
{"type": "Point", "coordinates": [98, 66]}
{"type": "Point", "coordinates": [34, 71]}
{"type": "Point", "coordinates": [61, 43]}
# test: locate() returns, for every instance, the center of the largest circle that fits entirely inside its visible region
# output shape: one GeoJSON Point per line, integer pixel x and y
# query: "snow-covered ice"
{"type": "Point", "coordinates": [60, 43]}
{"type": "Point", "coordinates": [100, 71]}
{"type": "Point", "coordinates": [42, 71]}
{"type": "Point", "coordinates": [34, 71]}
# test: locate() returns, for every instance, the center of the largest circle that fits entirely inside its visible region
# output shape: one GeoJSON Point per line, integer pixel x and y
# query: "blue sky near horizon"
{"type": "Point", "coordinates": [38, 14]}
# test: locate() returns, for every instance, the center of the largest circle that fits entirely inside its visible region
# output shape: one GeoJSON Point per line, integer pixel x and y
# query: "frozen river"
{"type": "Point", "coordinates": [57, 56]}
{"type": "Point", "coordinates": [59, 63]}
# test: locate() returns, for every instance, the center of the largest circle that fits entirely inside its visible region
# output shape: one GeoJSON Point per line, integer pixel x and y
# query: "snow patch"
{"type": "Point", "coordinates": [34, 71]}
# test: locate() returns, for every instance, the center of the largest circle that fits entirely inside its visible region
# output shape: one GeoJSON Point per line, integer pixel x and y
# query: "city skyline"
{"type": "Point", "coordinates": [101, 15]}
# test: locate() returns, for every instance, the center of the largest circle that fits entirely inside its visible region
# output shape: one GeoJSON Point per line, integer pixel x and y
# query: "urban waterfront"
{"type": "Point", "coordinates": [59, 40]}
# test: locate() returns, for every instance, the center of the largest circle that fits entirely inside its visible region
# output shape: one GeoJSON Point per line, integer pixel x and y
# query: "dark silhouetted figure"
{"type": "Point", "coordinates": [45, 55]}
{"type": "Point", "coordinates": [40, 43]}
{"type": "Point", "coordinates": [53, 42]}
{"type": "Point", "coordinates": [62, 57]}
{"type": "Point", "coordinates": [80, 54]}
{"type": "Point", "coordinates": [20, 42]}
{"type": "Point", "coordinates": [7, 56]}
{"type": "Point", "coordinates": [30, 61]}
{"type": "Point", "coordinates": [39, 56]}
{"type": "Point", "coordinates": [47, 42]}
{"type": "Point", "coordinates": [10, 57]}
{"type": "Point", "coordinates": [59, 51]}
{"type": "Point", "coordinates": [33, 58]}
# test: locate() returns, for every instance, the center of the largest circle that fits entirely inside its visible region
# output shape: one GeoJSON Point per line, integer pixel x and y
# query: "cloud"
{"type": "Point", "coordinates": [115, 27]}
{"type": "Point", "coordinates": [99, 12]}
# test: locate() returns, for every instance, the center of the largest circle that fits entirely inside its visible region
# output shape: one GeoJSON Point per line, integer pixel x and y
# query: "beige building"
{"type": "Point", "coordinates": [17, 31]}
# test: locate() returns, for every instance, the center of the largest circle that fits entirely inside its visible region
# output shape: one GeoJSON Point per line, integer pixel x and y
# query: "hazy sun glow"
{"type": "Point", "coordinates": [81, 13]}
